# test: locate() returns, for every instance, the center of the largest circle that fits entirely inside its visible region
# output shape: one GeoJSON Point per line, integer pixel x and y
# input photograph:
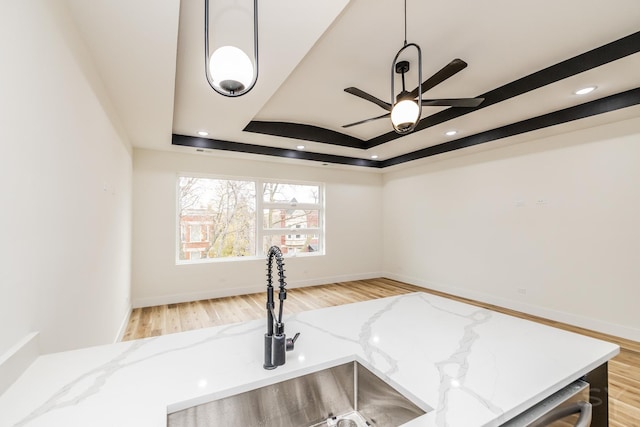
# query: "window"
{"type": "Point", "coordinates": [195, 233]}
{"type": "Point", "coordinates": [223, 218]}
{"type": "Point", "coordinates": [292, 217]}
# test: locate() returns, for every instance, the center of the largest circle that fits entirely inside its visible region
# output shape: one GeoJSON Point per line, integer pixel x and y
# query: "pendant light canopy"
{"type": "Point", "coordinates": [405, 110]}
{"type": "Point", "coordinates": [229, 70]}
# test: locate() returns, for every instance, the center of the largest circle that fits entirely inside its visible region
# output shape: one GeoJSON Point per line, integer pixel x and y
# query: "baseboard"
{"type": "Point", "coordinates": [593, 324]}
{"type": "Point", "coordinates": [227, 292]}
{"type": "Point", "coordinates": [123, 325]}
{"type": "Point", "coordinates": [17, 359]}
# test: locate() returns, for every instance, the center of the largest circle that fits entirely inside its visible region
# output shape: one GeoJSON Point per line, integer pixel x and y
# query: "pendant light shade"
{"type": "Point", "coordinates": [404, 115]}
{"type": "Point", "coordinates": [229, 70]}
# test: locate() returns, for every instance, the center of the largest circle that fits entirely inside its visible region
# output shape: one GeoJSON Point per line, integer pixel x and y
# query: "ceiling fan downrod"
{"type": "Point", "coordinates": [402, 67]}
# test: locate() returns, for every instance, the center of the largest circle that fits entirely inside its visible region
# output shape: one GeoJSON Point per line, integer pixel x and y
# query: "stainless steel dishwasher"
{"type": "Point", "coordinates": [568, 407]}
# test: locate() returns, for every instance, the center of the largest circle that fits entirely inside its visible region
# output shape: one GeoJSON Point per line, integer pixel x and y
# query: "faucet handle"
{"type": "Point", "coordinates": [291, 341]}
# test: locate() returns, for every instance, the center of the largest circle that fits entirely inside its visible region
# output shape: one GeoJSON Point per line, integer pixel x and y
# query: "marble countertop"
{"type": "Point", "coordinates": [475, 367]}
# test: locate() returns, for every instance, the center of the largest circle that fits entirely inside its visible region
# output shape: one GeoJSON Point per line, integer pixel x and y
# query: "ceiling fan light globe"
{"type": "Point", "coordinates": [231, 69]}
{"type": "Point", "coordinates": [405, 114]}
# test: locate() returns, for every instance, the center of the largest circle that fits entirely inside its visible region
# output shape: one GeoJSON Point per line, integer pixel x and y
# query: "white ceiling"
{"type": "Point", "coordinates": [150, 54]}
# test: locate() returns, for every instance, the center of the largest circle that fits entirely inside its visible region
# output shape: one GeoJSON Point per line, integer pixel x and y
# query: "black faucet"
{"type": "Point", "coordinates": [276, 344]}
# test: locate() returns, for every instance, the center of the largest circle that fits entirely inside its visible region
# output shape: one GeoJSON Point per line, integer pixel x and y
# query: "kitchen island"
{"type": "Point", "coordinates": [473, 366]}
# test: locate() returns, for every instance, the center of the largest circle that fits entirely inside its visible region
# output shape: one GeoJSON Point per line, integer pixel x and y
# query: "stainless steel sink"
{"type": "Point", "coordinates": [347, 395]}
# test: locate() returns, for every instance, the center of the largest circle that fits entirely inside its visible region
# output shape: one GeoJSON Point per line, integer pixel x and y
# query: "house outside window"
{"type": "Point", "coordinates": [222, 218]}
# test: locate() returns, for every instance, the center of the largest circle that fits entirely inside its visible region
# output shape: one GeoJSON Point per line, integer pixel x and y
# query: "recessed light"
{"type": "Point", "coordinates": [451, 132]}
{"type": "Point", "coordinates": [374, 156]}
{"type": "Point", "coordinates": [203, 133]}
{"type": "Point", "coordinates": [300, 147]}
{"type": "Point", "coordinates": [585, 90]}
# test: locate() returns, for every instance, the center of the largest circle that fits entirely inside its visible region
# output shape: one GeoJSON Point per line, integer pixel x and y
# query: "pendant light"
{"type": "Point", "coordinates": [229, 70]}
{"type": "Point", "coordinates": [405, 111]}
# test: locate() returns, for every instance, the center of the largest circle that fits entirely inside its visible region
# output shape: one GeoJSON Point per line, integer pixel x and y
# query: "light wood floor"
{"type": "Point", "coordinates": [624, 369]}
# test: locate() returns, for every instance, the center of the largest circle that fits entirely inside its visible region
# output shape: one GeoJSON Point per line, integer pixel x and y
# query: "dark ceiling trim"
{"type": "Point", "coordinates": [305, 132]}
{"type": "Point", "coordinates": [602, 55]}
{"type": "Point", "coordinates": [594, 58]}
{"type": "Point", "coordinates": [217, 144]}
{"type": "Point", "coordinates": [588, 109]}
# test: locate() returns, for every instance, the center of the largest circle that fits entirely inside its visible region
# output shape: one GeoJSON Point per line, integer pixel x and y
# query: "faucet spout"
{"type": "Point", "coordinates": [276, 343]}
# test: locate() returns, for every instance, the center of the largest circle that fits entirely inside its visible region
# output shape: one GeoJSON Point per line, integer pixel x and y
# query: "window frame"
{"type": "Point", "coordinates": [260, 230]}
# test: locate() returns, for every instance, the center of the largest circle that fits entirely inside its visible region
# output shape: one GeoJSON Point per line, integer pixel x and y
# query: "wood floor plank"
{"type": "Point", "coordinates": [173, 319]}
{"type": "Point", "coordinates": [132, 326]}
{"type": "Point", "coordinates": [156, 321]}
{"type": "Point", "coordinates": [624, 369]}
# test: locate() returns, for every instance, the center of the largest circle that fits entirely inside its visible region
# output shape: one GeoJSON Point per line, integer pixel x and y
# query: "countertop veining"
{"type": "Point", "coordinates": [475, 367]}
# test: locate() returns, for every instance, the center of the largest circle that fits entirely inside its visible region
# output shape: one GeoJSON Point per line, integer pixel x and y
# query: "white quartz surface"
{"type": "Point", "coordinates": [475, 367]}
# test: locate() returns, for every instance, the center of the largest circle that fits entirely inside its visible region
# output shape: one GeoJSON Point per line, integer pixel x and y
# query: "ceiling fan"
{"type": "Point", "coordinates": [406, 107]}
{"type": "Point", "coordinates": [402, 67]}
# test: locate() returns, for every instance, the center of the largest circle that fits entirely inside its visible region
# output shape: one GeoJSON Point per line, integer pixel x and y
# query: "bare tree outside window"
{"type": "Point", "coordinates": [225, 212]}
{"type": "Point", "coordinates": [283, 193]}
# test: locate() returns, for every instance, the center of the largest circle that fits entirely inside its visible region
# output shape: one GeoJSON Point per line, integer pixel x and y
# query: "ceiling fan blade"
{"type": "Point", "coordinates": [364, 95]}
{"type": "Point", "coordinates": [367, 120]}
{"type": "Point", "coordinates": [447, 71]}
{"type": "Point", "coordinates": [456, 102]}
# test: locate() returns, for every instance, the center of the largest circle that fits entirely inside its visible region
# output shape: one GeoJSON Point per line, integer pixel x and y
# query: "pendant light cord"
{"type": "Point", "coordinates": [405, 22]}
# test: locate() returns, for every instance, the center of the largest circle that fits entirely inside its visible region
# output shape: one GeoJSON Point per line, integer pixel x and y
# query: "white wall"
{"type": "Point", "coordinates": [65, 172]}
{"type": "Point", "coordinates": [549, 227]}
{"type": "Point", "coordinates": [353, 239]}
